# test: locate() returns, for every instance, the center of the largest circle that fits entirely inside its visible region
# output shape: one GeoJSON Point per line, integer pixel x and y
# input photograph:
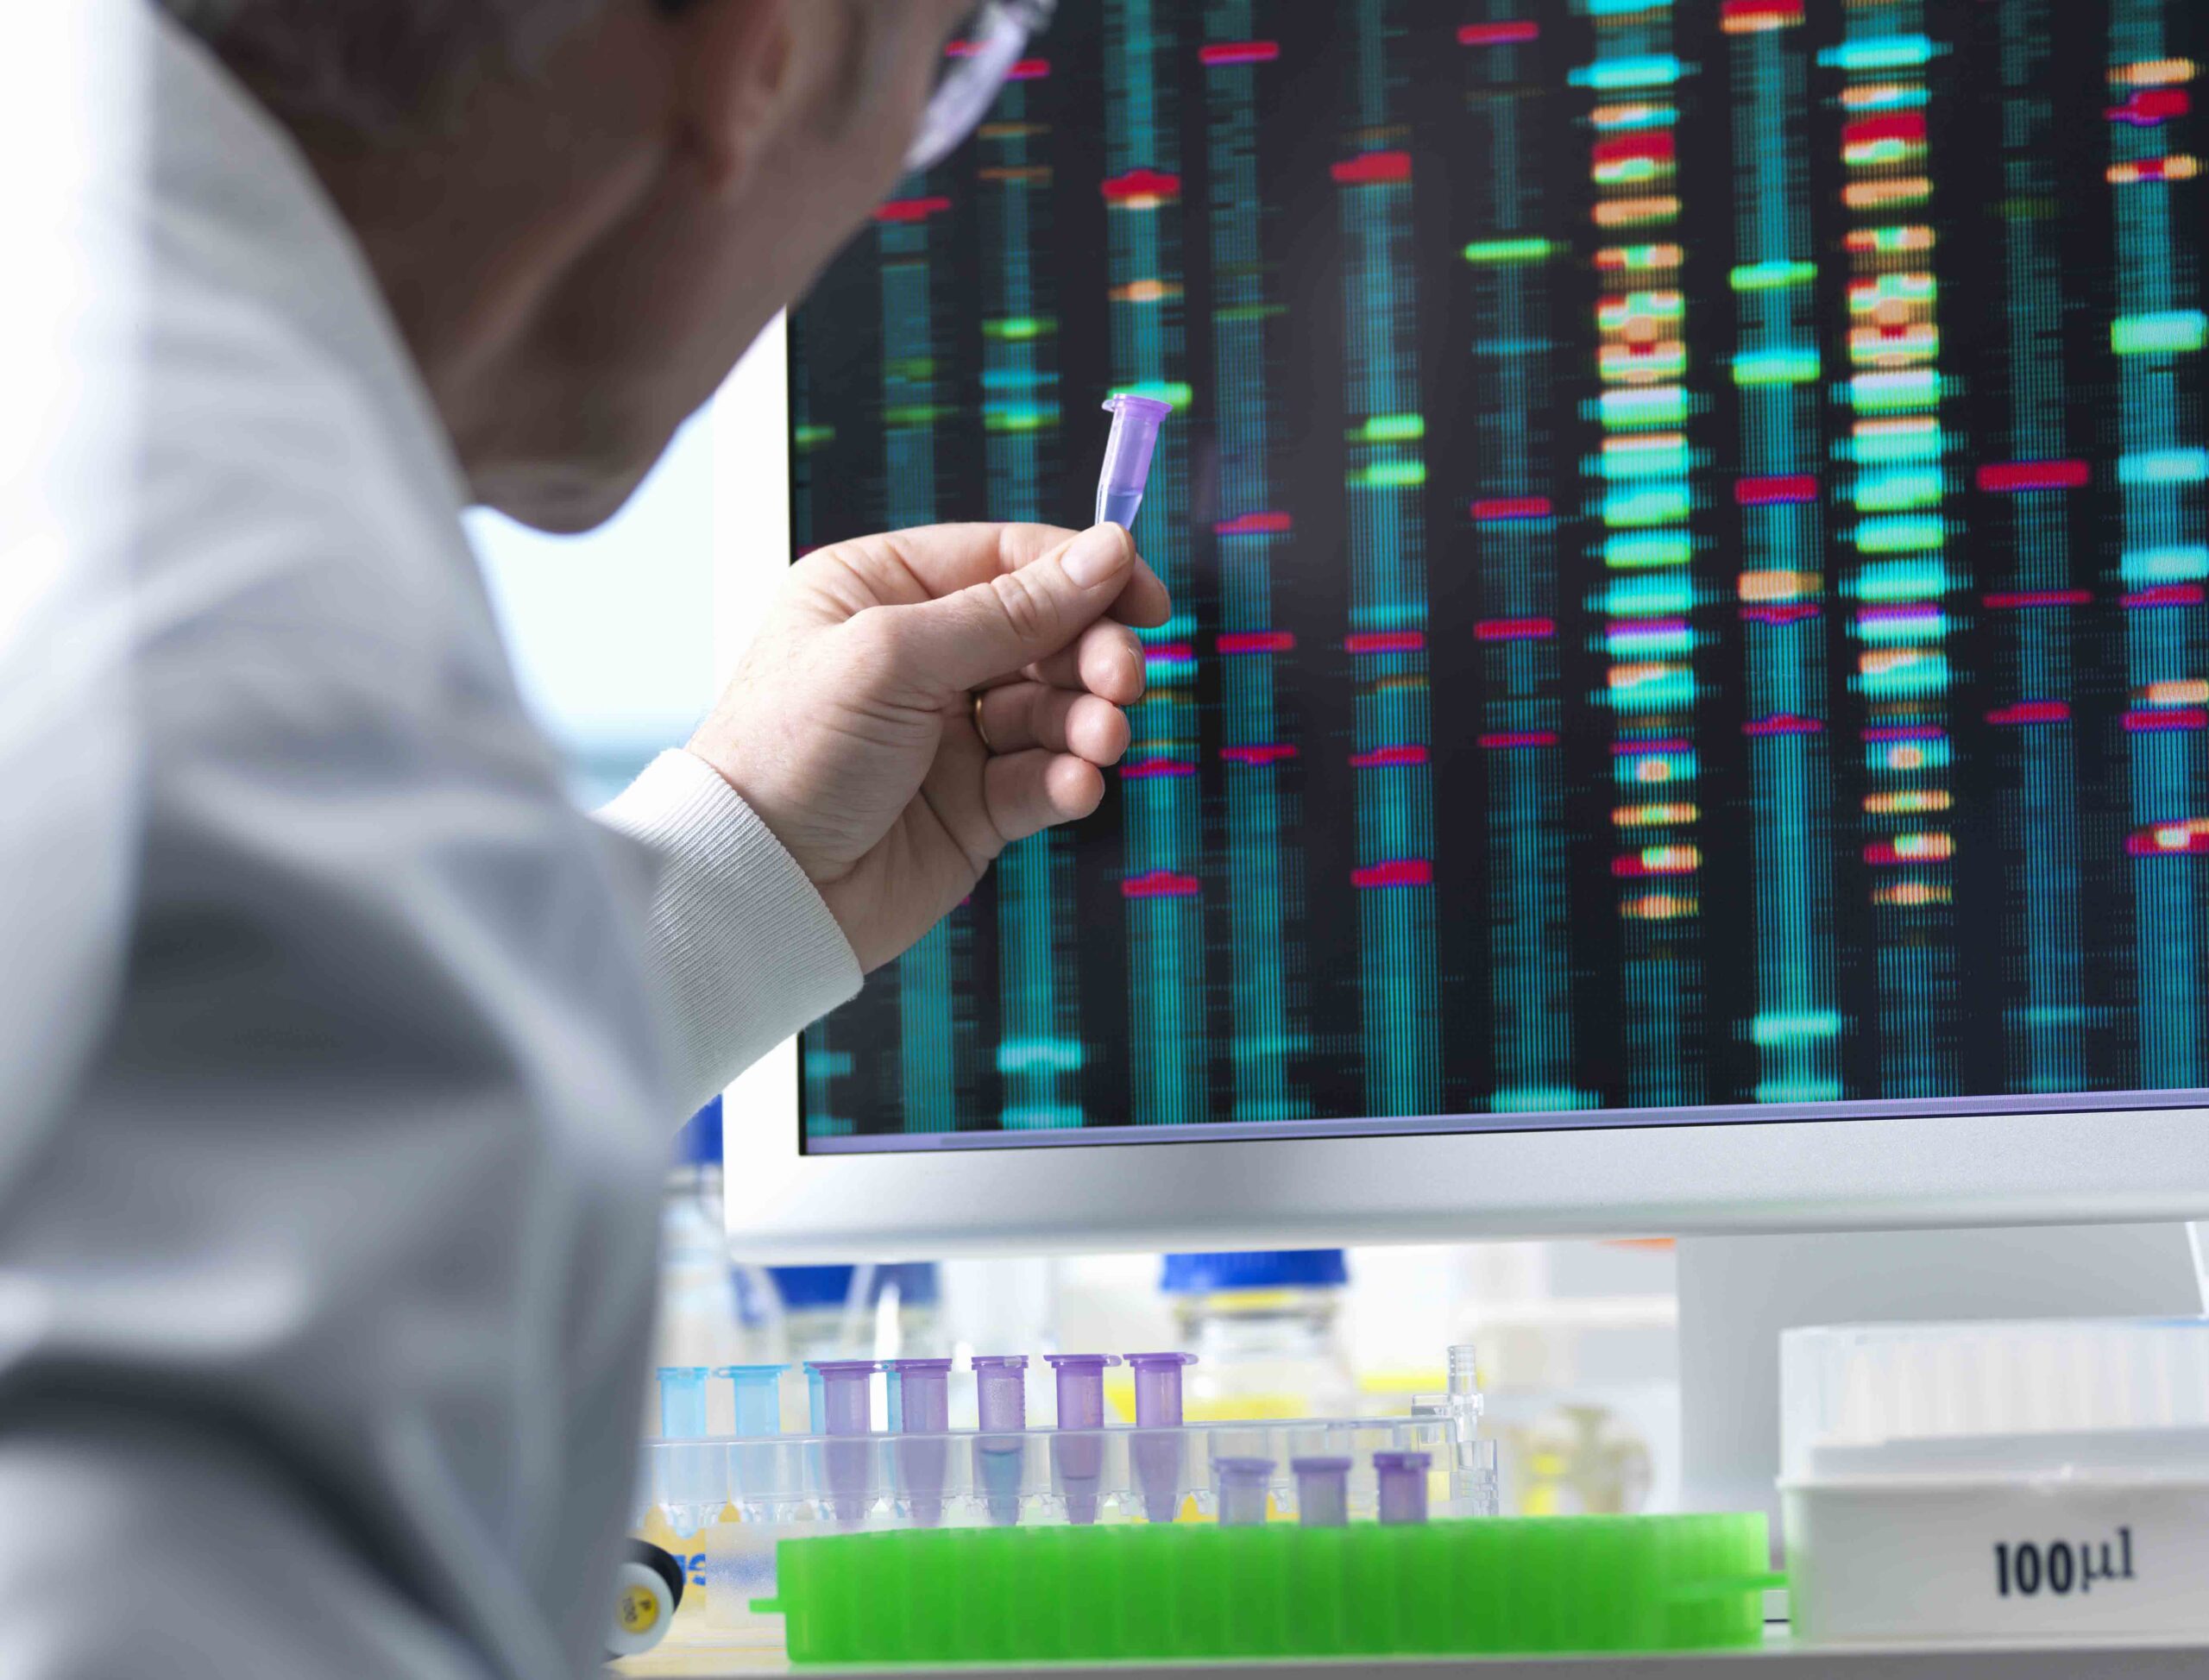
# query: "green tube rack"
{"type": "Point", "coordinates": [1154, 1592]}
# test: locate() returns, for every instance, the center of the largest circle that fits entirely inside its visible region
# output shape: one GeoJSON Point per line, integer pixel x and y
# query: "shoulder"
{"type": "Point", "coordinates": [292, 470]}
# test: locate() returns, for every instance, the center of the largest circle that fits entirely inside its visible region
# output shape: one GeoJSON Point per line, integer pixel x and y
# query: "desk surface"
{"type": "Point", "coordinates": [1782, 1662]}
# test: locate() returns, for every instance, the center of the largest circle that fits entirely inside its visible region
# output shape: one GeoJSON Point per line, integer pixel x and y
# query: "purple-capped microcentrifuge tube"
{"type": "Point", "coordinates": [1080, 1379]}
{"type": "Point", "coordinates": [1158, 1387]}
{"type": "Point", "coordinates": [926, 1385]}
{"type": "Point", "coordinates": [925, 1410]}
{"type": "Point", "coordinates": [847, 1408]}
{"type": "Point", "coordinates": [1135, 421]}
{"type": "Point", "coordinates": [1403, 1485]}
{"type": "Point", "coordinates": [847, 1395]}
{"type": "Point", "coordinates": [1322, 1492]}
{"type": "Point", "coordinates": [1159, 1448]}
{"type": "Point", "coordinates": [1243, 1486]}
{"type": "Point", "coordinates": [1079, 1464]}
{"type": "Point", "coordinates": [1001, 1390]}
{"type": "Point", "coordinates": [1001, 1408]}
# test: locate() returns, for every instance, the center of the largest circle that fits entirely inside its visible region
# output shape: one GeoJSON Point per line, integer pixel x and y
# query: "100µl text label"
{"type": "Point", "coordinates": [2027, 1569]}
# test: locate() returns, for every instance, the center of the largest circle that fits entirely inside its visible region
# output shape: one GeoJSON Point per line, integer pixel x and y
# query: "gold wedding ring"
{"type": "Point", "coordinates": [981, 729]}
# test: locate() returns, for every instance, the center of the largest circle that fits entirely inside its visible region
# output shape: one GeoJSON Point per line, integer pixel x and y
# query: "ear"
{"type": "Point", "coordinates": [740, 67]}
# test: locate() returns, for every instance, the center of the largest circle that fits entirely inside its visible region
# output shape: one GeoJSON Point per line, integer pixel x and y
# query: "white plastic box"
{"type": "Point", "coordinates": [1996, 1482]}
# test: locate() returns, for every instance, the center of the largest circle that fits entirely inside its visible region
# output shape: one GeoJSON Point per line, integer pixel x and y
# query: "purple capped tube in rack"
{"type": "Point", "coordinates": [1159, 1448]}
{"type": "Point", "coordinates": [1158, 1387]}
{"type": "Point", "coordinates": [925, 1385]}
{"type": "Point", "coordinates": [847, 1395]}
{"type": "Point", "coordinates": [1001, 1390]}
{"type": "Point", "coordinates": [924, 1410]}
{"type": "Point", "coordinates": [1322, 1492]}
{"type": "Point", "coordinates": [847, 1408]}
{"type": "Point", "coordinates": [1080, 1381]}
{"type": "Point", "coordinates": [1001, 1408]}
{"type": "Point", "coordinates": [1079, 1464]}
{"type": "Point", "coordinates": [1128, 455]}
{"type": "Point", "coordinates": [1402, 1477]}
{"type": "Point", "coordinates": [1243, 1486]}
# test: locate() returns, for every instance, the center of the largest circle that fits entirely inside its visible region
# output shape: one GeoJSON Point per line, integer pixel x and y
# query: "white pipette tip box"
{"type": "Point", "coordinates": [1996, 1482]}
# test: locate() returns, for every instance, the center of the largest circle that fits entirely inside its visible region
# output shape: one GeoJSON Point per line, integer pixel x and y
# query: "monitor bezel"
{"type": "Point", "coordinates": [2090, 1165]}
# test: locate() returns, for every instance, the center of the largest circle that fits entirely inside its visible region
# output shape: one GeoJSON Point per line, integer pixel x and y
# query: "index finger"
{"type": "Point", "coordinates": [905, 568]}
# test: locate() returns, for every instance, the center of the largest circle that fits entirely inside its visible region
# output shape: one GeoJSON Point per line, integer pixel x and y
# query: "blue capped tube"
{"type": "Point", "coordinates": [1135, 421]}
{"type": "Point", "coordinates": [758, 1398]}
{"type": "Point", "coordinates": [682, 1402]}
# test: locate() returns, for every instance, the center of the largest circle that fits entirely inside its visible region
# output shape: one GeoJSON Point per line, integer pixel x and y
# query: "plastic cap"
{"type": "Point", "coordinates": [681, 1402]}
{"type": "Point", "coordinates": [1242, 1487]}
{"type": "Point", "coordinates": [1001, 1390]}
{"type": "Point", "coordinates": [1322, 1491]}
{"type": "Point", "coordinates": [846, 1392]}
{"type": "Point", "coordinates": [806, 1287]}
{"type": "Point", "coordinates": [699, 1143]}
{"type": "Point", "coordinates": [1402, 1478]}
{"type": "Point", "coordinates": [1207, 1273]}
{"type": "Point", "coordinates": [759, 1397]}
{"type": "Point", "coordinates": [1081, 1387]}
{"type": "Point", "coordinates": [803, 1286]}
{"type": "Point", "coordinates": [1158, 1387]}
{"type": "Point", "coordinates": [924, 1396]}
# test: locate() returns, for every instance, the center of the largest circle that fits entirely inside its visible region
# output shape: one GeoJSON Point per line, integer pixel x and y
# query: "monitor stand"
{"type": "Point", "coordinates": [1737, 1294]}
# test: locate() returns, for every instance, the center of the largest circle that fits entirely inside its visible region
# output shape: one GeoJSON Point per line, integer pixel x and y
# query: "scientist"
{"type": "Point", "coordinates": [341, 1056]}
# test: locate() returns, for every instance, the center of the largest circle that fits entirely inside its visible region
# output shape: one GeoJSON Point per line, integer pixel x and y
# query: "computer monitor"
{"type": "Point", "coordinates": [1688, 706]}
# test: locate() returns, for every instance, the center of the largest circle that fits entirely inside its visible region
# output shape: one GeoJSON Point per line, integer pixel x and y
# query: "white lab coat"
{"type": "Point", "coordinates": [338, 1055]}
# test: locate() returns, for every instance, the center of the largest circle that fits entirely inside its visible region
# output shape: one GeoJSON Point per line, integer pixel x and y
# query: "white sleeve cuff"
{"type": "Point", "coordinates": [746, 950]}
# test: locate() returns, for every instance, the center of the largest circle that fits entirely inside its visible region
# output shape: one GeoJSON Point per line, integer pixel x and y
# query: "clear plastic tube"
{"type": "Point", "coordinates": [1127, 456]}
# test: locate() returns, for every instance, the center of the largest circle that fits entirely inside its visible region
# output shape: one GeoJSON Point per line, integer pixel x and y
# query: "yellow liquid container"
{"type": "Point", "coordinates": [1267, 1330]}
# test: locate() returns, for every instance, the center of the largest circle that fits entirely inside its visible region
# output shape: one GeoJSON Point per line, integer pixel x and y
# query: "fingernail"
{"type": "Point", "coordinates": [1097, 555]}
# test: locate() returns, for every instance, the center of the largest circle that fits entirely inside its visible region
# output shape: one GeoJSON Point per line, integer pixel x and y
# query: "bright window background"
{"type": "Point", "coordinates": [611, 633]}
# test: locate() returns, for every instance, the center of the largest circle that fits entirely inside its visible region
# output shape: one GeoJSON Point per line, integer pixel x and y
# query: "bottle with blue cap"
{"type": "Point", "coordinates": [1269, 1332]}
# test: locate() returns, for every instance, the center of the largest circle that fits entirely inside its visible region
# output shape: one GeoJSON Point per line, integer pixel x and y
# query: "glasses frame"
{"type": "Point", "coordinates": [1001, 32]}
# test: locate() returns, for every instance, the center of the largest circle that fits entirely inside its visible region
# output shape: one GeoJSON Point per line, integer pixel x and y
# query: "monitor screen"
{"type": "Point", "coordinates": [1689, 528]}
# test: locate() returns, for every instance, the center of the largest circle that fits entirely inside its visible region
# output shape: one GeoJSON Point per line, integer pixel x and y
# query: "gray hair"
{"type": "Point", "coordinates": [379, 67]}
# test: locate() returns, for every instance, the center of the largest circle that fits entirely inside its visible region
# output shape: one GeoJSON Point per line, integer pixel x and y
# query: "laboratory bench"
{"type": "Point", "coordinates": [1781, 1661]}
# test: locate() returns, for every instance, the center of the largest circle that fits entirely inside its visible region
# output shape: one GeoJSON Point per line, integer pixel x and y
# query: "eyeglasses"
{"type": "Point", "coordinates": [980, 63]}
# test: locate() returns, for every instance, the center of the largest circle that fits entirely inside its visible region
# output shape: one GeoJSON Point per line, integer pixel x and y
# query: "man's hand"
{"type": "Point", "coordinates": [850, 728]}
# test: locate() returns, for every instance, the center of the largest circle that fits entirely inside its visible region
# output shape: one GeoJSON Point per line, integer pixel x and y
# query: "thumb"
{"type": "Point", "coordinates": [1016, 618]}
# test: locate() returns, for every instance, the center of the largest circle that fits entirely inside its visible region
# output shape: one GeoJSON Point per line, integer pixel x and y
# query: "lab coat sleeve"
{"type": "Point", "coordinates": [746, 952]}
{"type": "Point", "coordinates": [145, 1548]}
